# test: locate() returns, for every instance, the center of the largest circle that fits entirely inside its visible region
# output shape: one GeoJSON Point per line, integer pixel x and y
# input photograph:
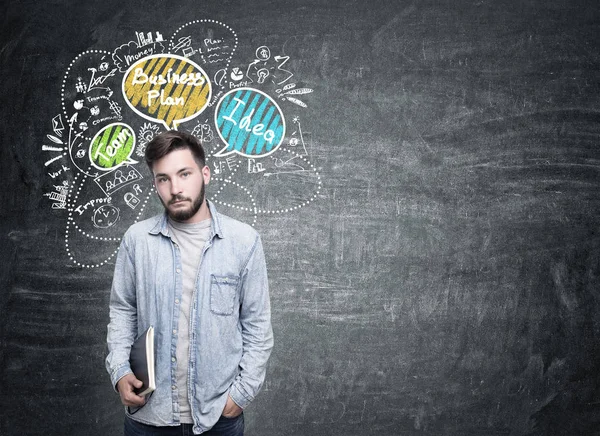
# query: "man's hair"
{"type": "Point", "coordinates": [171, 140]}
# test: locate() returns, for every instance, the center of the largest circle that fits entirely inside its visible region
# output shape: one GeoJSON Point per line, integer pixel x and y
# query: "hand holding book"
{"type": "Point", "coordinates": [127, 387]}
{"type": "Point", "coordinates": [134, 387]}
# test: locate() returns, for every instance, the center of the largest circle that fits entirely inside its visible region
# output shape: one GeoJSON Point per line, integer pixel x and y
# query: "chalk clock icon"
{"type": "Point", "coordinates": [105, 216]}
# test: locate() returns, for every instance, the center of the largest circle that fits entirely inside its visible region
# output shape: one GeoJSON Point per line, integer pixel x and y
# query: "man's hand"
{"type": "Point", "coordinates": [231, 409]}
{"type": "Point", "coordinates": [125, 387]}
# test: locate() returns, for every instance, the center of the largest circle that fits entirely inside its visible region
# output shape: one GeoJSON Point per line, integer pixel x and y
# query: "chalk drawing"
{"type": "Point", "coordinates": [249, 122]}
{"type": "Point", "coordinates": [113, 102]}
{"type": "Point", "coordinates": [145, 135]}
{"type": "Point", "coordinates": [166, 88]}
{"type": "Point", "coordinates": [263, 67]}
{"type": "Point", "coordinates": [290, 93]}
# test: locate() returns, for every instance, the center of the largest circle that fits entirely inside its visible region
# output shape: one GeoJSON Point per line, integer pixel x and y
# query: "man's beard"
{"type": "Point", "coordinates": [185, 214]}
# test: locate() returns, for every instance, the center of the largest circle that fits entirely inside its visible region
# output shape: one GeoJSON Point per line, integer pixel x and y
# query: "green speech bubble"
{"type": "Point", "coordinates": [112, 147]}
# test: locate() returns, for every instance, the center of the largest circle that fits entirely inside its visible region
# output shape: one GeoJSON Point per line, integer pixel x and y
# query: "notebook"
{"type": "Point", "coordinates": [141, 360]}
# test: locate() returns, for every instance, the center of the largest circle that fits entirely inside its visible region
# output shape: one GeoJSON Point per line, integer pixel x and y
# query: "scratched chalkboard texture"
{"type": "Point", "coordinates": [428, 192]}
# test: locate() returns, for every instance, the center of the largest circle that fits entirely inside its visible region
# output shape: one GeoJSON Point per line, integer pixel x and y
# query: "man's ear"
{"type": "Point", "coordinates": [206, 174]}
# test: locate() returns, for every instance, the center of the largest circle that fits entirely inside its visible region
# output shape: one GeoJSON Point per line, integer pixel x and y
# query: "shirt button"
{"type": "Point", "coordinates": [177, 301]}
{"type": "Point", "coordinates": [178, 270]}
{"type": "Point", "coordinates": [174, 331]}
{"type": "Point", "coordinates": [173, 387]}
{"type": "Point", "coordinates": [173, 359]}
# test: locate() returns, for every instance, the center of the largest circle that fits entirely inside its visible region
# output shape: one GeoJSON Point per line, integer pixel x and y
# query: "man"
{"type": "Point", "coordinates": [199, 277]}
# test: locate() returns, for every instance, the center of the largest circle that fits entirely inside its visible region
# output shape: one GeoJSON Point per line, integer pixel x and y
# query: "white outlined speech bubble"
{"type": "Point", "coordinates": [250, 122]}
{"type": "Point", "coordinates": [166, 88]}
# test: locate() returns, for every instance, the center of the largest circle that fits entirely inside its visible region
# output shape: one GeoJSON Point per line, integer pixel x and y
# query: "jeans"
{"type": "Point", "coordinates": [223, 427]}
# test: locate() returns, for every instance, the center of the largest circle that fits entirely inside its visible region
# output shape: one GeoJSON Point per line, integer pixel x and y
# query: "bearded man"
{"type": "Point", "coordinates": [200, 279]}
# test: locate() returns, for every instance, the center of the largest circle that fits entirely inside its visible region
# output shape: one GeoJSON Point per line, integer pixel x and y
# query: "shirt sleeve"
{"type": "Point", "coordinates": [257, 333]}
{"type": "Point", "coordinates": [122, 327]}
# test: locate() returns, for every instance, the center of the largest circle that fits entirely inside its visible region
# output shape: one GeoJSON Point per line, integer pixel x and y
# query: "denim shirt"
{"type": "Point", "coordinates": [230, 317]}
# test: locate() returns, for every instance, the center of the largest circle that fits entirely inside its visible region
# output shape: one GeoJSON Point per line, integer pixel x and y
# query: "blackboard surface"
{"type": "Point", "coordinates": [430, 219]}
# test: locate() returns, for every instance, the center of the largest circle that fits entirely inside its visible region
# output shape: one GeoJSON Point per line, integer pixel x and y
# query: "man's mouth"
{"type": "Point", "coordinates": [178, 201]}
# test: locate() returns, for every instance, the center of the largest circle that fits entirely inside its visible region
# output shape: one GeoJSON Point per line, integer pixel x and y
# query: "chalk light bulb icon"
{"type": "Point", "coordinates": [263, 73]}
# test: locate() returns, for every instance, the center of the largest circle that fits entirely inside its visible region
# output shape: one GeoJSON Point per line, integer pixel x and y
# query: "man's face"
{"type": "Point", "coordinates": [180, 182]}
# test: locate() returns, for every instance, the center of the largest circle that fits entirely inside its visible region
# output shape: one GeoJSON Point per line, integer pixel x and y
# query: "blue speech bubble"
{"type": "Point", "coordinates": [249, 122]}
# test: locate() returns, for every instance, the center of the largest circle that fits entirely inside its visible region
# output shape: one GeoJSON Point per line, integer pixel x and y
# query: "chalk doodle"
{"type": "Point", "coordinates": [249, 122]}
{"type": "Point", "coordinates": [59, 196]}
{"type": "Point", "coordinates": [145, 135]}
{"type": "Point", "coordinates": [263, 67]}
{"type": "Point", "coordinates": [112, 147]}
{"type": "Point", "coordinates": [290, 90]}
{"type": "Point", "coordinates": [204, 132]}
{"type": "Point", "coordinates": [113, 181]}
{"type": "Point", "coordinates": [166, 88]}
{"type": "Point", "coordinates": [106, 216]}
{"type": "Point", "coordinates": [113, 102]}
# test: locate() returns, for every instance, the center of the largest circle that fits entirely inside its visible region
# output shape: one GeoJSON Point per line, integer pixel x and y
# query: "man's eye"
{"type": "Point", "coordinates": [186, 174]}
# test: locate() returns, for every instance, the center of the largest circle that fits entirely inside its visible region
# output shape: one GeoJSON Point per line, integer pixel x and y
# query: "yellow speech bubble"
{"type": "Point", "coordinates": [166, 88]}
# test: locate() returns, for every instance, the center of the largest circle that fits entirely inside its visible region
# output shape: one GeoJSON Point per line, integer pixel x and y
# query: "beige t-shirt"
{"type": "Point", "coordinates": [191, 239]}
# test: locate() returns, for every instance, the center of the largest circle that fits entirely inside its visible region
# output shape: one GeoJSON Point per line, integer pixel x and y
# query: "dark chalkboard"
{"type": "Point", "coordinates": [427, 189]}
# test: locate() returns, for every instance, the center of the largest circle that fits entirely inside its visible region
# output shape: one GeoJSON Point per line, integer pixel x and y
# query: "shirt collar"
{"type": "Point", "coordinates": [162, 226]}
{"type": "Point", "coordinates": [216, 220]}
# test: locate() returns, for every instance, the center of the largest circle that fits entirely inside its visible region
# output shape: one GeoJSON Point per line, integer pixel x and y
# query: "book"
{"type": "Point", "coordinates": [141, 360]}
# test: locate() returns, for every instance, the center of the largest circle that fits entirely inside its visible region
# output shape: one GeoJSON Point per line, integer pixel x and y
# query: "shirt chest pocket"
{"type": "Point", "coordinates": [223, 290]}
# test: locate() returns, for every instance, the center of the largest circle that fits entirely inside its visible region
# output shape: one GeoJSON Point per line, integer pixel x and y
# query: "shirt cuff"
{"type": "Point", "coordinates": [118, 374]}
{"type": "Point", "coordinates": [239, 396]}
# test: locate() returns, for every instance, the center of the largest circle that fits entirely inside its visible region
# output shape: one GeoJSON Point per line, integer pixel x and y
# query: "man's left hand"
{"type": "Point", "coordinates": [231, 409]}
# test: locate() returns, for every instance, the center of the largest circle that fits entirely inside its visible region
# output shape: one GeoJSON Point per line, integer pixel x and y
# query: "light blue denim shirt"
{"type": "Point", "coordinates": [230, 317]}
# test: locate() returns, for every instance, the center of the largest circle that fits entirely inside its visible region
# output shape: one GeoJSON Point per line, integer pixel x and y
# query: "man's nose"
{"type": "Point", "coordinates": [175, 187]}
